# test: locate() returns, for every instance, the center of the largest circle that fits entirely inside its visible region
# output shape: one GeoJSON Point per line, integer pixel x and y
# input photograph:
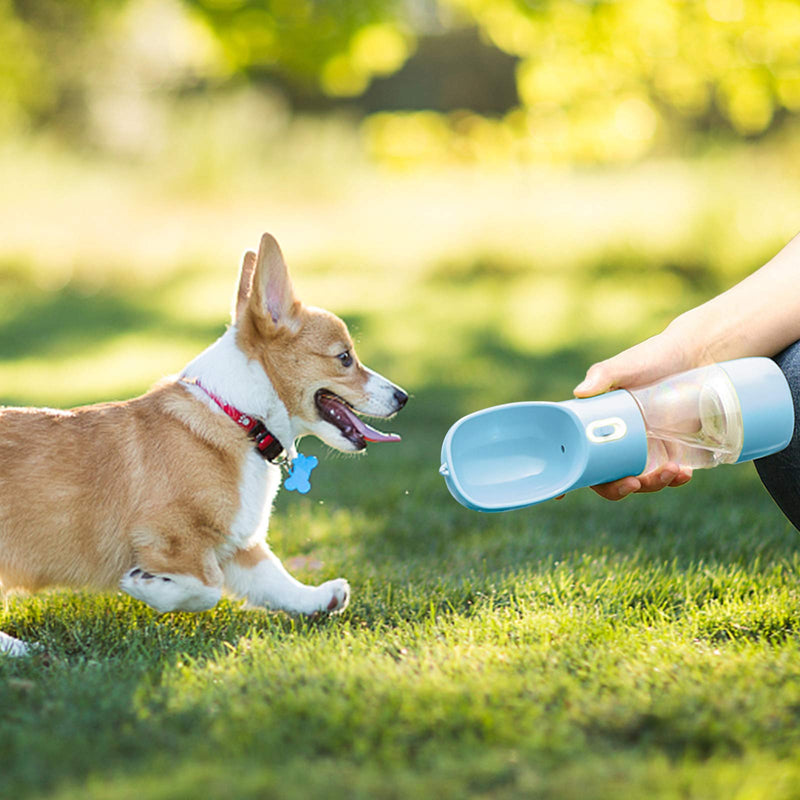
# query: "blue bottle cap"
{"type": "Point", "coordinates": [766, 403]}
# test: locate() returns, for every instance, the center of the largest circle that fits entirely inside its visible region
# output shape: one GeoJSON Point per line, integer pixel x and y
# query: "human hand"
{"type": "Point", "coordinates": [645, 363]}
{"type": "Point", "coordinates": [667, 474]}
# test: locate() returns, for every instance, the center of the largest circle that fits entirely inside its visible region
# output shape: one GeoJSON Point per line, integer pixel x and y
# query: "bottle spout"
{"type": "Point", "coordinates": [513, 455]}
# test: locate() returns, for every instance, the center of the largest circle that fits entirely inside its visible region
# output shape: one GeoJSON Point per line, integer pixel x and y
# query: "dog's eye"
{"type": "Point", "coordinates": [346, 358]}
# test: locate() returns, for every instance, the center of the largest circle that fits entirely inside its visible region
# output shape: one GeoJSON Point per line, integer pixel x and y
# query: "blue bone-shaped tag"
{"type": "Point", "coordinates": [299, 477]}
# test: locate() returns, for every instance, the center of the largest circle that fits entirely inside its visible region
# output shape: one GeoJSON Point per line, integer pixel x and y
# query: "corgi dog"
{"type": "Point", "coordinates": [168, 495]}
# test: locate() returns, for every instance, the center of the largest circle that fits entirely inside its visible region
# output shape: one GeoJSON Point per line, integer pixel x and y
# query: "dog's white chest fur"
{"type": "Point", "coordinates": [226, 371]}
{"type": "Point", "coordinates": [258, 485]}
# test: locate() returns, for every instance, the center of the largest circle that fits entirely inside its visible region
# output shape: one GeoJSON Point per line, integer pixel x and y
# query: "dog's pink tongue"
{"type": "Point", "coordinates": [367, 431]}
{"type": "Point", "coordinates": [373, 435]}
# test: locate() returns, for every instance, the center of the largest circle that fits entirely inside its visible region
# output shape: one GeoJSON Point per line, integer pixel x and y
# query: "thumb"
{"type": "Point", "coordinates": [598, 380]}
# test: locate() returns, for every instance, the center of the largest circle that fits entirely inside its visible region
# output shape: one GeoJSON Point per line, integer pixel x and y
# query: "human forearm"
{"type": "Point", "coordinates": [760, 316]}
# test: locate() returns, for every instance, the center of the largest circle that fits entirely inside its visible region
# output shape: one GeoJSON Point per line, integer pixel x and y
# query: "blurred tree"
{"type": "Point", "coordinates": [43, 49]}
{"type": "Point", "coordinates": [627, 68]}
{"type": "Point", "coordinates": [338, 45]}
{"type": "Point", "coordinates": [569, 79]}
{"type": "Point", "coordinates": [454, 70]}
{"type": "Point", "coordinates": [596, 79]}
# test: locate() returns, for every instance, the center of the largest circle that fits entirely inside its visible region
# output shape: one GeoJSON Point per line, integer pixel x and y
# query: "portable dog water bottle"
{"type": "Point", "coordinates": [519, 454]}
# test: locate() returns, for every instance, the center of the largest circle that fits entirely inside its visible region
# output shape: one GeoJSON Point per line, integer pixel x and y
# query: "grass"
{"type": "Point", "coordinates": [577, 649]}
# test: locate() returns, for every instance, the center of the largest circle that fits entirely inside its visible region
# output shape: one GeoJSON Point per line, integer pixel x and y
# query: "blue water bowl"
{"type": "Point", "coordinates": [516, 455]}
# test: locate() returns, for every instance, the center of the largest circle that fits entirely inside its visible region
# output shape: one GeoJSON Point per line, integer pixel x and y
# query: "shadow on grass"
{"type": "Point", "coordinates": [79, 318]}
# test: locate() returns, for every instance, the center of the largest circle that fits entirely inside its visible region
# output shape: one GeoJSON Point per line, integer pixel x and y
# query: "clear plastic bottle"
{"type": "Point", "coordinates": [693, 418]}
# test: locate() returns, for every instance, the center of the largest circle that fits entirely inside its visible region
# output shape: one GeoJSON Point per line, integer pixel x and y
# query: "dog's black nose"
{"type": "Point", "coordinates": [400, 398]}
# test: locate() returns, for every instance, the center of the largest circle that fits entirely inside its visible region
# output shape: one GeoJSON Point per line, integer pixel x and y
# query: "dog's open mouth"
{"type": "Point", "coordinates": [338, 412]}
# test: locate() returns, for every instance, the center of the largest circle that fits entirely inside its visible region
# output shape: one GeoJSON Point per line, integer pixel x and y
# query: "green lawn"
{"type": "Point", "coordinates": [578, 649]}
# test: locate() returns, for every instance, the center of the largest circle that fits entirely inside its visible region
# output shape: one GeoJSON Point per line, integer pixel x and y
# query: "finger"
{"type": "Point", "coordinates": [639, 365]}
{"type": "Point", "coordinates": [623, 369]}
{"type": "Point", "coordinates": [657, 482]}
{"type": "Point", "coordinates": [667, 475]}
{"type": "Point", "coordinates": [597, 381]}
{"type": "Point", "coordinates": [616, 490]}
{"type": "Point", "coordinates": [684, 476]}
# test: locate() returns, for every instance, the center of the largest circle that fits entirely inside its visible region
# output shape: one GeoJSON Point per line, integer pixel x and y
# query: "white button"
{"type": "Point", "coordinates": [606, 430]}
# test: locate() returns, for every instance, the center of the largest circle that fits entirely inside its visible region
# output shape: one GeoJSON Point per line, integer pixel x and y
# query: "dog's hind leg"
{"type": "Point", "coordinates": [181, 579]}
{"type": "Point", "coordinates": [170, 591]}
{"type": "Point", "coordinates": [12, 647]}
{"type": "Point", "coordinates": [258, 575]}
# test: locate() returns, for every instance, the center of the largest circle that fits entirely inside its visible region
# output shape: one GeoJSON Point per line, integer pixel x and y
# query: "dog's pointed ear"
{"type": "Point", "coordinates": [272, 289]}
{"type": "Point", "coordinates": [245, 285]}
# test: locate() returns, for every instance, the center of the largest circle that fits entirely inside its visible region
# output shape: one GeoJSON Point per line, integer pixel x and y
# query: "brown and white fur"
{"type": "Point", "coordinates": [164, 495]}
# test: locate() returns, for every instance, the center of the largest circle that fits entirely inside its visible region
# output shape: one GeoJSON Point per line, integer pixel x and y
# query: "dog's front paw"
{"type": "Point", "coordinates": [334, 596]}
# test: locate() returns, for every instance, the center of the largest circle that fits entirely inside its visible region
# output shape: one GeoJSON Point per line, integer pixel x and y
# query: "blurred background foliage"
{"type": "Point", "coordinates": [531, 80]}
{"type": "Point", "coordinates": [525, 179]}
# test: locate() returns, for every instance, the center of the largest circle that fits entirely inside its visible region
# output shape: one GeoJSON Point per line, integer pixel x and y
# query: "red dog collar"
{"type": "Point", "coordinates": [267, 445]}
